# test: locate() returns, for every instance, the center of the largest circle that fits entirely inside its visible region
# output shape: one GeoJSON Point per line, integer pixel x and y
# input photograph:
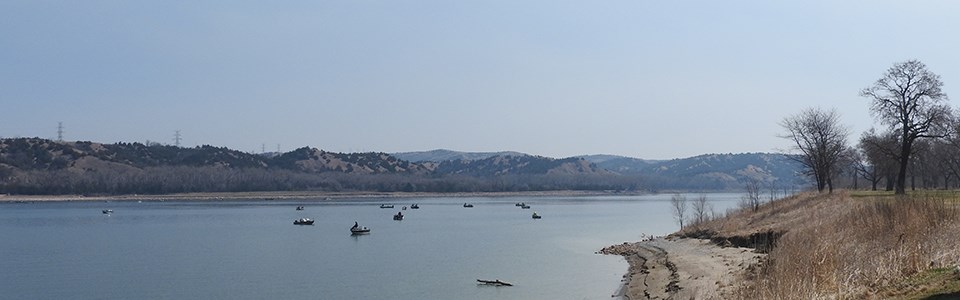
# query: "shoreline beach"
{"type": "Point", "coordinates": [682, 268]}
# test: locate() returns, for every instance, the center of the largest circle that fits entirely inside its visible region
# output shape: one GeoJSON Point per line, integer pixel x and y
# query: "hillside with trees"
{"type": "Point", "coordinates": [40, 166]}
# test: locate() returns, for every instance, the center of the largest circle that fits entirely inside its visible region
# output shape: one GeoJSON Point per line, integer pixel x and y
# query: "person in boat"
{"type": "Point", "coordinates": [355, 225]}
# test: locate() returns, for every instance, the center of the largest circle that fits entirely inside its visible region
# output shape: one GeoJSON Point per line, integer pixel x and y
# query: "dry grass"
{"type": "Point", "coordinates": [854, 247]}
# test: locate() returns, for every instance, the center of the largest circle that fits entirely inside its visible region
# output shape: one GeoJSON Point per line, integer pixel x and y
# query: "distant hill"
{"type": "Point", "coordinates": [440, 155]}
{"type": "Point", "coordinates": [513, 164]}
{"type": "Point", "coordinates": [620, 164]}
{"type": "Point", "coordinates": [40, 166]}
{"type": "Point", "coordinates": [313, 160]}
{"type": "Point", "coordinates": [717, 170]}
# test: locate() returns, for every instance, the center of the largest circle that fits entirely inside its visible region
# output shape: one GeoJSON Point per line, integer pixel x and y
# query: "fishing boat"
{"type": "Point", "coordinates": [496, 282]}
{"type": "Point", "coordinates": [525, 206]}
{"type": "Point", "coordinates": [467, 205]}
{"type": "Point", "coordinates": [386, 206]}
{"type": "Point", "coordinates": [303, 221]}
{"type": "Point", "coordinates": [107, 211]}
{"type": "Point", "coordinates": [519, 204]}
{"type": "Point", "coordinates": [357, 229]}
{"type": "Point", "coordinates": [415, 206]}
{"type": "Point", "coordinates": [535, 215]}
{"type": "Point", "coordinates": [299, 207]}
{"type": "Point", "coordinates": [404, 208]}
{"type": "Point", "coordinates": [398, 216]}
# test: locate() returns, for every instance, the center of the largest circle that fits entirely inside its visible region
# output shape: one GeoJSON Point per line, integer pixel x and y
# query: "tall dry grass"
{"type": "Point", "coordinates": [873, 243]}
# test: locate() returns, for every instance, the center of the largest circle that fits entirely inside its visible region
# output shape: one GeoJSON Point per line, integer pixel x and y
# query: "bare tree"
{"type": "Point", "coordinates": [880, 151]}
{"type": "Point", "coordinates": [821, 140]}
{"type": "Point", "coordinates": [908, 98]}
{"type": "Point", "coordinates": [752, 198]}
{"type": "Point", "coordinates": [866, 169]}
{"type": "Point", "coordinates": [700, 209]}
{"type": "Point", "coordinates": [679, 204]}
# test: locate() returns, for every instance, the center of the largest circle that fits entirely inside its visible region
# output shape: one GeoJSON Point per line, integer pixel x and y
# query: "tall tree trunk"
{"type": "Point", "coordinates": [855, 185]}
{"type": "Point", "coordinates": [900, 188]}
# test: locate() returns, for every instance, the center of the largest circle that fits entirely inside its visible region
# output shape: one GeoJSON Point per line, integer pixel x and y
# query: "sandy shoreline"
{"type": "Point", "coordinates": [679, 268]}
{"type": "Point", "coordinates": [316, 196]}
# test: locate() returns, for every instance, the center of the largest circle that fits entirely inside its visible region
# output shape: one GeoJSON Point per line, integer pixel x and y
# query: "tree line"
{"type": "Point", "coordinates": [919, 137]}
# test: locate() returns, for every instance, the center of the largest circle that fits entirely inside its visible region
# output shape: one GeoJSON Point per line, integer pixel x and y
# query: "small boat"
{"type": "Point", "coordinates": [467, 205]}
{"type": "Point", "coordinates": [415, 206]}
{"type": "Point", "coordinates": [494, 282]}
{"type": "Point", "coordinates": [525, 206]}
{"type": "Point", "coordinates": [398, 216]}
{"type": "Point", "coordinates": [357, 229]}
{"type": "Point", "coordinates": [303, 221]}
{"type": "Point", "coordinates": [107, 211]}
{"type": "Point", "coordinates": [519, 204]}
{"type": "Point", "coordinates": [386, 206]}
{"type": "Point", "coordinates": [299, 207]}
{"type": "Point", "coordinates": [404, 208]}
{"type": "Point", "coordinates": [535, 215]}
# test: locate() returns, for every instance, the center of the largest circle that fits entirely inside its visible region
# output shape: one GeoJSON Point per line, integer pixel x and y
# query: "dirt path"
{"type": "Point", "coordinates": [683, 268]}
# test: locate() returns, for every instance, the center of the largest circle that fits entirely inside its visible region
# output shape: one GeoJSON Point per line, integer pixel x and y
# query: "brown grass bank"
{"type": "Point", "coordinates": [844, 247]}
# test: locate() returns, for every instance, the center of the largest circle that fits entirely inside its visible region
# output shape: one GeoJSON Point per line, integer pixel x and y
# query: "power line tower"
{"type": "Point", "coordinates": [278, 148]}
{"type": "Point", "coordinates": [263, 148]}
{"type": "Point", "coordinates": [176, 138]}
{"type": "Point", "coordinates": [60, 131]}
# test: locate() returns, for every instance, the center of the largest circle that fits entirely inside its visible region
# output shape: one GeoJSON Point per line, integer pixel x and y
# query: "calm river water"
{"type": "Point", "coordinates": [252, 250]}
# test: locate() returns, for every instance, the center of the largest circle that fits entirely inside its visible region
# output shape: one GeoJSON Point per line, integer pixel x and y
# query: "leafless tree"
{"type": "Point", "coordinates": [701, 209]}
{"type": "Point", "coordinates": [679, 205]}
{"type": "Point", "coordinates": [821, 140]}
{"type": "Point", "coordinates": [752, 197]}
{"type": "Point", "coordinates": [880, 150]}
{"type": "Point", "coordinates": [909, 99]}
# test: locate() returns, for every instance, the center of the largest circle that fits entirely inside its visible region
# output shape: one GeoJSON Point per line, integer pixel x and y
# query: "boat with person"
{"type": "Point", "coordinates": [496, 282]}
{"type": "Point", "coordinates": [303, 221]}
{"type": "Point", "coordinates": [299, 207]}
{"type": "Point", "coordinates": [415, 206]}
{"type": "Point", "coordinates": [519, 204]}
{"type": "Point", "coordinates": [357, 229]}
{"type": "Point", "coordinates": [467, 205]}
{"type": "Point", "coordinates": [107, 211]}
{"type": "Point", "coordinates": [386, 206]}
{"type": "Point", "coordinates": [525, 206]}
{"type": "Point", "coordinates": [398, 216]}
{"type": "Point", "coordinates": [536, 216]}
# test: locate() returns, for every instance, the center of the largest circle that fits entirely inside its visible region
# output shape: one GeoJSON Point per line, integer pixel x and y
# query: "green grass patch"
{"type": "Point", "coordinates": [940, 283]}
{"type": "Point", "coordinates": [870, 194]}
{"type": "Point", "coordinates": [947, 195]}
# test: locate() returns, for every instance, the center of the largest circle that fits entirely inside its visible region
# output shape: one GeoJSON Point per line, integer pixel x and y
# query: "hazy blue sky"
{"type": "Point", "coordinates": [648, 79]}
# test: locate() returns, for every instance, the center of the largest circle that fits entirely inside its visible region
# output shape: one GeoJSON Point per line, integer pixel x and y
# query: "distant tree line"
{"type": "Point", "coordinates": [186, 179]}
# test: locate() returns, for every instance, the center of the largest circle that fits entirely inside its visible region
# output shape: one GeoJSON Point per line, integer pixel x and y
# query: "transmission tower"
{"type": "Point", "coordinates": [278, 148]}
{"type": "Point", "coordinates": [263, 148]}
{"type": "Point", "coordinates": [176, 138]}
{"type": "Point", "coordinates": [59, 131]}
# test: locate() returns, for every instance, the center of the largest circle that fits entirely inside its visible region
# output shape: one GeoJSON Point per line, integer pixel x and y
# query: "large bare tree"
{"type": "Point", "coordinates": [909, 99]}
{"type": "Point", "coordinates": [821, 140]}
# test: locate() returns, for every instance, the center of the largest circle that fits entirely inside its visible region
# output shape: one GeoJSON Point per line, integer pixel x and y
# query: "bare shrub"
{"type": "Point", "coordinates": [701, 209]}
